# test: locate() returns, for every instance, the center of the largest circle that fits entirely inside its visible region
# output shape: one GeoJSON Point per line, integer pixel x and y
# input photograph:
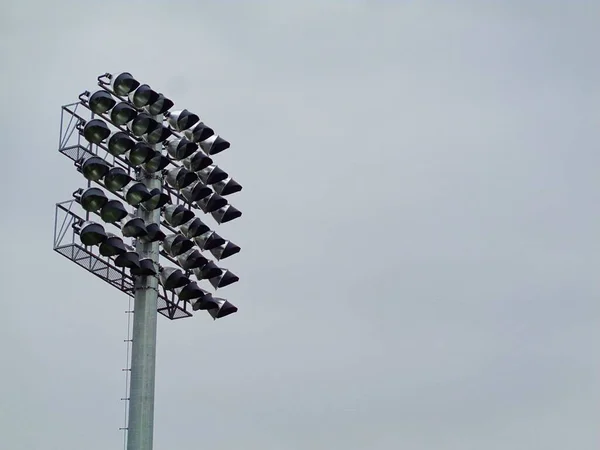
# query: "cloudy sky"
{"type": "Point", "coordinates": [420, 232]}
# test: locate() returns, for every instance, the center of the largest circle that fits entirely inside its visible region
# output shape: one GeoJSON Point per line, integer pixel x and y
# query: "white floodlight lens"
{"type": "Point", "coordinates": [123, 83]}
{"type": "Point", "coordinates": [180, 177]}
{"type": "Point", "coordinates": [226, 214]}
{"type": "Point", "coordinates": [177, 215]}
{"type": "Point", "coordinates": [181, 148]}
{"type": "Point", "coordinates": [116, 179]}
{"type": "Point", "coordinates": [112, 246]}
{"type": "Point", "coordinates": [95, 131]}
{"type": "Point", "coordinates": [200, 132]}
{"type": "Point", "coordinates": [123, 113]}
{"type": "Point", "coordinates": [91, 199]}
{"type": "Point", "coordinates": [136, 193]}
{"type": "Point", "coordinates": [224, 309]}
{"type": "Point", "coordinates": [143, 95]}
{"type": "Point", "coordinates": [214, 144]}
{"type": "Point", "coordinates": [94, 168]}
{"type": "Point", "coordinates": [113, 211]}
{"type": "Point", "coordinates": [225, 250]}
{"type": "Point", "coordinates": [198, 161]}
{"type": "Point", "coordinates": [92, 233]}
{"type": "Point", "coordinates": [101, 101]}
{"type": "Point", "coordinates": [172, 278]}
{"type": "Point", "coordinates": [182, 120]}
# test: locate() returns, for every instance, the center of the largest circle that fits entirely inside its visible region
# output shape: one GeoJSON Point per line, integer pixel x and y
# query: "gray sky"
{"type": "Point", "coordinates": [420, 232]}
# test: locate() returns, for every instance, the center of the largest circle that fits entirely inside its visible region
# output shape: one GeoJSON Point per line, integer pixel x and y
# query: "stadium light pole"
{"type": "Point", "coordinates": [119, 148]}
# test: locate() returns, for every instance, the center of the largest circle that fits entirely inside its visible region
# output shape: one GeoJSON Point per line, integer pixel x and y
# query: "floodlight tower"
{"type": "Point", "coordinates": [120, 146]}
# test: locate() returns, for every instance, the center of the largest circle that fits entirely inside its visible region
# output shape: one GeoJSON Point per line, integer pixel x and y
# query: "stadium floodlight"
{"type": "Point", "coordinates": [214, 144]}
{"type": "Point", "coordinates": [160, 106]}
{"type": "Point", "coordinates": [129, 260]}
{"type": "Point", "coordinates": [94, 168]}
{"type": "Point", "coordinates": [91, 199]}
{"type": "Point", "coordinates": [101, 101]}
{"type": "Point", "coordinates": [176, 244]}
{"type": "Point", "coordinates": [199, 132]}
{"type": "Point", "coordinates": [180, 177]}
{"type": "Point", "coordinates": [181, 148]}
{"type": "Point", "coordinates": [192, 259]}
{"type": "Point", "coordinates": [143, 95]}
{"type": "Point", "coordinates": [154, 233]}
{"type": "Point", "coordinates": [197, 161]}
{"type": "Point", "coordinates": [190, 291]}
{"type": "Point", "coordinates": [140, 154]}
{"type": "Point", "coordinates": [176, 215]}
{"type": "Point", "coordinates": [194, 227]}
{"type": "Point", "coordinates": [116, 179]}
{"type": "Point", "coordinates": [119, 143]}
{"type": "Point", "coordinates": [134, 227]}
{"type": "Point", "coordinates": [123, 113]}
{"type": "Point", "coordinates": [208, 271]}
{"type": "Point", "coordinates": [157, 163]}
{"type": "Point", "coordinates": [224, 279]}
{"type": "Point", "coordinates": [92, 233]}
{"type": "Point", "coordinates": [143, 123]}
{"type": "Point", "coordinates": [225, 214]}
{"type": "Point", "coordinates": [113, 211]}
{"type": "Point", "coordinates": [123, 83]}
{"type": "Point", "coordinates": [204, 303]}
{"type": "Point", "coordinates": [146, 268]}
{"type": "Point", "coordinates": [95, 131]}
{"type": "Point", "coordinates": [172, 278]}
{"type": "Point", "coordinates": [136, 192]}
{"type": "Point", "coordinates": [112, 246]}
{"type": "Point", "coordinates": [157, 135]}
{"type": "Point", "coordinates": [196, 191]}
{"type": "Point", "coordinates": [227, 186]}
{"type": "Point", "coordinates": [157, 200]}
{"type": "Point", "coordinates": [209, 240]}
{"type": "Point", "coordinates": [225, 250]}
{"type": "Point", "coordinates": [212, 174]}
{"type": "Point", "coordinates": [212, 203]}
{"type": "Point", "coordinates": [182, 120]}
{"type": "Point", "coordinates": [224, 309]}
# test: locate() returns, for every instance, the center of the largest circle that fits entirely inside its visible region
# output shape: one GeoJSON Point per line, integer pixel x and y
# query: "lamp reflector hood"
{"type": "Point", "coordinates": [129, 260]}
{"type": "Point", "coordinates": [208, 271]}
{"type": "Point", "coordinates": [192, 259]}
{"type": "Point", "coordinates": [95, 131]}
{"type": "Point", "coordinates": [160, 106]}
{"type": "Point", "coordinates": [181, 148]}
{"type": "Point", "coordinates": [196, 191]}
{"type": "Point", "coordinates": [120, 143]}
{"type": "Point", "coordinates": [225, 278]}
{"type": "Point", "coordinates": [182, 120]}
{"type": "Point", "coordinates": [212, 174]}
{"type": "Point", "coordinates": [214, 144]}
{"type": "Point", "coordinates": [116, 179]}
{"type": "Point", "coordinates": [209, 240]}
{"type": "Point", "coordinates": [176, 244]}
{"type": "Point", "coordinates": [224, 309]}
{"type": "Point", "coordinates": [227, 186]}
{"type": "Point", "coordinates": [180, 177]}
{"type": "Point", "coordinates": [226, 214]}
{"type": "Point", "coordinates": [176, 215]}
{"type": "Point", "coordinates": [91, 199]}
{"type": "Point", "coordinates": [157, 200]}
{"type": "Point", "coordinates": [146, 268]}
{"type": "Point", "coordinates": [123, 83]}
{"type": "Point", "coordinates": [112, 246]}
{"type": "Point", "coordinates": [225, 250]}
{"type": "Point", "coordinates": [134, 227]}
{"type": "Point", "coordinates": [123, 113]}
{"type": "Point", "coordinates": [113, 211]}
{"type": "Point", "coordinates": [199, 132]}
{"type": "Point", "coordinates": [101, 101]}
{"type": "Point", "coordinates": [92, 233]}
{"type": "Point", "coordinates": [143, 95]}
{"type": "Point", "coordinates": [140, 154]}
{"type": "Point", "coordinates": [155, 234]}
{"type": "Point", "coordinates": [198, 161]}
{"type": "Point", "coordinates": [194, 227]}
{"type": "Point", "coordinates": [172, 278]}
{"type": "Point", "coordinates": [212, 203]}
{"type": "Point", "coordinates": [136, 193]}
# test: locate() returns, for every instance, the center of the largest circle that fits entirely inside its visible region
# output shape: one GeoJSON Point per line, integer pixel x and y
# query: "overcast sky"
{"type": "Point", "coordinates": [420, 239]}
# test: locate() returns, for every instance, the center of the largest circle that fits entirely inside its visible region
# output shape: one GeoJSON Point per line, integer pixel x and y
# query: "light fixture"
{"type": "Point", "coordinates": [123, 83]}
{"type": "Point", "coordinates": [214, 144]}
{"type": "Point", "coordinates": [101, 101]}
{"type": "Point", "coordinates": [180, 148]}
{"type": "Point", "coordinates": [227, 186]}
{"type": "Point", "coordinates": [134, 227]}
{"type": "Point", "coordinates": [129, 260]}
{"type": "Point", "coordinates": [197, 161]}
{"type": "Point", "coordinates": [136, 193]}
{"type": "Point", "coordinates": [224, 279]}
{"type": "Point", "coordinates": [224, 309]}
{"type": "Point", "coordinates": [199, 132]}
{"type": "Point", "coordinates": [154, 233]}
{"type": "Point", "coordinates": [146, 268]}
{"type": "Point", "coordinates": [180, 177]}
{"type": "Point", "coordinates": [176, 215]}
{"type": "Point", "coordinates": [208, 271]}
{"type": "Point", "coordinates": [157, 200]}
{"type": "Point", "coordinates": [92, 233]}
{"type": "Point", "coordinates": [196, 191]}
{"type": "Point", "coordinates": [225, 214]}
{"type": "Point", "coordinates": [160, 106]}
{"type": "Point", "coordinates": [190, 291]}
{"type": "Point", "coordinates": [182, 120]}
{"type": "Point", "coordinates": [112, 246]}
{"type": "Point", "coordinates": [94, 168]}
{"type": "Point", "coordinates": [225, 250]}
{"type": "Point", "coordinates": [113, 211]}
{"type": "Point", "coordinates": [192, 259]}
{"type": "Point", "coordinates": [140, 154]}
{"type": "Point", "coordinates": [176, 244]}
{"type": "Point", "coordinates": [157, 135]}
{"type": "Point", "coordinates": [95, 131]}
{"type": "Point", "coordinates": [212, 203]}
{"type": "Point", "coordinates": [116, 179]}
{"type": "Point", "coordinates": [212, 174]}
{"type": "Point", "coordinates": [142, 123]}
{"type": "Point", "coordinates": [143, 95]}
{"type": "Point", "coordinates": [209, 240]}
{"type": "Point", "coordinates": [91, 199]}
{"type": "Point", "coordinates": [171, 278]}
{"type": "Point", "coordinates": [156, 163]}
{"type": "Point", "coordinates": [194, 227]}
{"type": "Point", "coordinates": [119, 143]}
{"type": "Point", "coordinates": [123, 113]}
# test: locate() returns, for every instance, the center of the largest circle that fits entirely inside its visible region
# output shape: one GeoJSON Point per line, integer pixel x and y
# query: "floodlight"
{"type": "Point", "coordinates": [181, 148]}
{"type": "Point", "coordinates": [94, 168]}
{"type": "Point", "coordinates": [212, 174]}
{"type": "Point", "coordinates": [224, 279]}
{"type": "Point", "coordinates": [193, 228]}
{"type": "Point", "coordinates": [154, 233]}
{"type": "Point", "coordinates": [225, 250]}
{"type": "Point", "coordinates": [176, 215]}
{"type": "Point", "coordinates": [112, 246]}
{"type": "Point", "coordinates": [227, 186]}
{"type": "Point", "coordinates": [143, 95]}
{"type": "Point", "coordinates": [208, 271]}
{"type": "Point", "coordinates": [123, 83]}
{"type": "Point", "coordinates": [214, 144]}
{"type": "Point", "coordinates": [224, 309]}
{"type": "Point", "coordinates": [123, 113]}
{"type": "Point", "coordinates": [101, 101]}
{"type": "Point", "coordinates": [191, 259]}
{"type": "Point", "coordinates": [196, 191]}
{"type": "Point", "coordinates": [182, 120]}
{"type": "Point", "coordinates": [197, 161]}
{"type": "Point", "coordinates": [140, 154]}
{"type": "Point", "coordinates": [113, 211]}
{"type": "Point", "coordinates": [212, 203]}
{"type": "Point", "coordinates": [134, 227]}
{"type": "Point", "coordinates": [157, 199]}
{"type": "Point", "coordinates": [135, 193]}
{"type": "Point", "coordinates": [199, 132]}
{"type": "Point", "coordinates": [116, 179]}
{"type": "Point", "coordinates": [226, 214]}
{"type": "Point", "coordinates": [177, 244]}
{"type": "Point", "coordinates": [130, 260]}
{"type": "Point", "coordinates": [91, 199]}
{"type": "Point", "coordinates": [157, 135]}
{"type": "Point", "coordinates": [120, 143]}
{"type": "Point", "coordinates": [191, 291]}
{"type": "Point", "coordinates": [172, 278]}
{"type": "Point", "coordinates": [209, 240]}
{"type": "Point", "coordinates": [204, 303]}
{"type": "Point", "coordinates": [91, 233]}
{"type": "Point", "coordinates": [95, 131]}
{"type": "Point", "coordinates": [160, 106]}
{"type": "Point", "coordinates": [142, 123]}
{"type": "Point", "coordinates": [180, 177]}
{"type": "Point", "coordinates": [146, 268]}
{"type": "Point", "coordinates": [156, 163]}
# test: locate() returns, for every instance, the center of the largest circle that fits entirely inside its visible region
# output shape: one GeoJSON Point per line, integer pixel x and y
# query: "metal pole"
{"type": "Point", "coordinates": [140, 428]}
